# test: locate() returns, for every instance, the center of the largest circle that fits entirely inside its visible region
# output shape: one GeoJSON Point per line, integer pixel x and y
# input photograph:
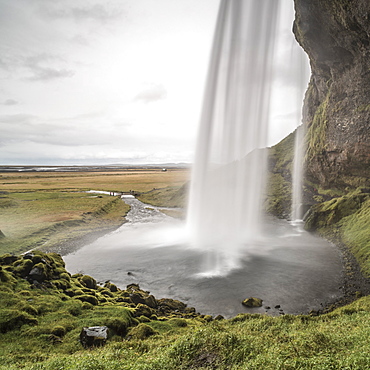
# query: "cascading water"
{"type": "Point", "coordinates": [228, 176]}
{"type": "Point", "coordinates": [300, 60]}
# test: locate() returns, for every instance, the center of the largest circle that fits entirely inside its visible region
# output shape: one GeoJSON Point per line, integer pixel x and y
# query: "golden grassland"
{"type": "Point", "coordinates": [45, 210]}
{"type": "Point", "coordinates": [139, 180]}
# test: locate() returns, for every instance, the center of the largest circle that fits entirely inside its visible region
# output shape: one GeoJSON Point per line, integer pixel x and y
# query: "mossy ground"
{"type": "Point", "coordinates": [40, 325]}
{"type": "Point", "coordinates": [345, 219]}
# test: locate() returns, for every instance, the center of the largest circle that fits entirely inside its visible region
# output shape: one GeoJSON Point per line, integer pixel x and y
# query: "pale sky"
{"type": "Point", "coordinates": [113, 81]}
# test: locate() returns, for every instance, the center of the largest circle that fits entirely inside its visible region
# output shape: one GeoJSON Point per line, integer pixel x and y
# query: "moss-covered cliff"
{"type": "Point", "coordinates": [336, 36]}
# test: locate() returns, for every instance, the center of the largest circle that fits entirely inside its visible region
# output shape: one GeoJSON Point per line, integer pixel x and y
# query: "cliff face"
{"type": "Point", "coordinates": [336, 36]}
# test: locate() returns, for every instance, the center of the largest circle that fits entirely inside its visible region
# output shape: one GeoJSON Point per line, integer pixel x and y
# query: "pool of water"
{"type": "Point", "coordinates": [288, 267]}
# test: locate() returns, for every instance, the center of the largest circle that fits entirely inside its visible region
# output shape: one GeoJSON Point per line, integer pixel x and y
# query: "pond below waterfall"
{"type": "Point", "coordinates": [289, 267]}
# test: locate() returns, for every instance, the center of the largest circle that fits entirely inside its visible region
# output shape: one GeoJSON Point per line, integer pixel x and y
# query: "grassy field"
{"type": "Point", "coordinates": [40, 322]}
{"type": "Point", "coordinates": [48, 209]}
{"type": "Point", "coordinates": [40, 326]}
{"type": "Point", "coordinates": [140, 180]}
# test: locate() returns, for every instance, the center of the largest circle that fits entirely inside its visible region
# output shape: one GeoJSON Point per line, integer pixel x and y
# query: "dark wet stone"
{"type": "Point", "coordinates": [94, 336]}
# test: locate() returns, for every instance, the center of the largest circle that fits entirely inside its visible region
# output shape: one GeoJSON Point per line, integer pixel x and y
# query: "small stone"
{"type": "Point", "coordinates": [252, 302]}
{"type": "Point", "coordinates": [94, 336]}
{"type": "Point", "coordinates": [277, 306]}
{"type": "Point", "coordinates": [267, 308]}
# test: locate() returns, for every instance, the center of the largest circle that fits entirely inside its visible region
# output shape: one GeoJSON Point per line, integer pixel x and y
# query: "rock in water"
{"type": "Point", "coordinates": [252, 302]}
{"type": "Point", "coordinates": [94, 336]}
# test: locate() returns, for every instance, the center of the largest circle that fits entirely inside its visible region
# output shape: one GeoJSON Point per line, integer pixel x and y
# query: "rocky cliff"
{"type": "Point", "coordinates": [336, 36]}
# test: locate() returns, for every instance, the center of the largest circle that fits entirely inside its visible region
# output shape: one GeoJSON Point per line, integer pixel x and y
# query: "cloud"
{"type": "Point", "coordinates": [151, 94]}
{"type": "Point", "coordinates": [36, 65]}
{"type": "Point", "coordinates": [10, 102]}
{"type": "Point", "coordinates": [45, 74]}
{"type": "Point", "coordinates": [96, 12]}
{"type": "Point", "coordinates": [67, 132]}
{"type": "Point", "coordinates": [80, 40]}
{"type": "Point", "coordinates": [3, 64]}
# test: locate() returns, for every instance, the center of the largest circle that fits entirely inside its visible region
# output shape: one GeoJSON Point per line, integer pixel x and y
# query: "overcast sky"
{"type": "Point", "coordinates": [113, 81]}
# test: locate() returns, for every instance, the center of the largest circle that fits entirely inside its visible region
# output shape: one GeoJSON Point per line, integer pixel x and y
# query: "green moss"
{"type": "Point", "coordinates": [329, 213]}
{"type": "Point", "coordinates": [143, 319]}
{"type": "Point", "coordinates": [74, 307]}
{"type": "Point", "coordinates": [355, 231]}
{"type": "Point", "coordinates": [141, 332]}
{"type": "Point", "coordinates": [7, 259]}
{"type": "Point", "coordinates": [118, 325]}
{"type": "Point", "coordinates": [23, 267]}
{"type": "Point", "coordinates": [316, 132]}
{"type": "Point", "coordinates": [143, 310]}
{"type": "Point", "coordinates": [88, 298]}
{"type": "Point", "coordinates": [345, 219]}
{"type": "Point", "coordinates": [11, 319]}
{"type": "Point", "coordinates": [6, 276]}
{"type": "Point", "coordinates": [88, 282]}
{"type": "Point", "coordinates": [178, 322]}
{"type": "Point", "coordinates": [58, 331]}
{"type": "Point", "coordinates": [278, 200]}
{"type": "Point", "coordinates": [106, 292]}
{"type": "Point", "coordinates": [111, 287]}
{"type": "Point", "coordinates": [252, 302]}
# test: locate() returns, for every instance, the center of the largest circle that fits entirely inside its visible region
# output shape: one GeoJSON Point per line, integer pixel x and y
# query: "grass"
{"type": "Point", "coordinates": [47, 218]}
{"type": "Point", "coordinates": [138, 180]}
{"type": "Point", "coordinates": [45, 210]}
{"type": "Point", "coordinates": [355, 232]}
{"type": "Point", "coordinates": [39, 329]}
{"type": "Point", "coordinates": [40, 323]}
{"type": "Point", "coordinates": [345, 219]}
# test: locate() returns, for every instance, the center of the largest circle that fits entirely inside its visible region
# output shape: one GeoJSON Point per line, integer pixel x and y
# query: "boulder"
{"type": "Point", "coordinates": [168, 304]}
{"type": "Point", "coordinates": [88, 282]}
{"type": "Point", "coordinates": [37, 273]}
{"type": "Point", "coordinates": [94, 336]}
{"type": "Point", "coordinates": [252, 302]}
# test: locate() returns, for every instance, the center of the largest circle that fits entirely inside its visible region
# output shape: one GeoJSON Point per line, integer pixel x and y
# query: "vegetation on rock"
{"type": "Point", "coordinates": [41, 322]}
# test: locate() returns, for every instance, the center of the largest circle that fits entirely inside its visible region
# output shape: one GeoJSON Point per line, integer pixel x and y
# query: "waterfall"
{"type": "Point", "coordinates": [298, 59]}
{"type": "Point", "coordinates": [228, 176]}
